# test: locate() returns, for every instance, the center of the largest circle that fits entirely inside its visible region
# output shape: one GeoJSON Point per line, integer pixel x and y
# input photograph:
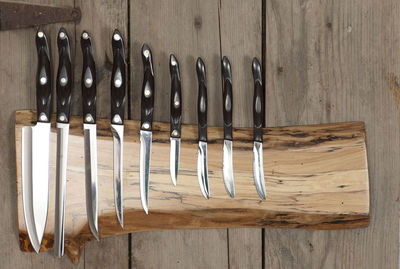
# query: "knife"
{"type": "Point", "coordinates": [35, 150]}
{"type": "Point", "coordinates": [176, 118]}
{"type": "Point", "coordinates": [258, 118]}
{"type": "Point", "coordinates": [227, 163]}
{"type": "Point", "coordinates": [147, 108]}
{"type": "Point", "coordinates": [118, 83]}
{"type": "Point", "coordinates": [202, 170]}
{"type": "Point", "coordinates": [88, 84]}
{"type": "Point", "coordinates": [63, 86]}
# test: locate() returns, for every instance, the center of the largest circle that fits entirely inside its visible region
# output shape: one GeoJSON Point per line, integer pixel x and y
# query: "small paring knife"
{"type": "Point", "coordinates": [258, 118]}
{"type": "Point", "coordinates": [176, 118]}
{"type": "Point", "coordinates": [118, 85]}
{"type": "Point", "coordinates": [63, 87]}
{"type": "Point", "coordinates": [147, 108]}
{"type": "Point", "coordinates": [88, 85]}
{"type": "Point", "coordinates": [202, 169]}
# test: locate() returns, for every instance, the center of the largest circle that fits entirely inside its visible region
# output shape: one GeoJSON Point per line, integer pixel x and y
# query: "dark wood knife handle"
{"type": "Point", "coordinates": [88, 82]}
{"type": "Point", "coordinates": [202, 100]}
{"type": "Point", "coordinates": [258, 101]}
{"type": "Point", "coordinates": [147, 106]}
{"type": "Point", "coordinates": [227, 97]}
{"type": "Point", "coordinates": [64, 77]}
{"type": "Point", "coordinates": [118, 80]}
{"type": "Point", "coordinates": [43, 78]}
{"type": "Point", "coordinates": [176, 98]}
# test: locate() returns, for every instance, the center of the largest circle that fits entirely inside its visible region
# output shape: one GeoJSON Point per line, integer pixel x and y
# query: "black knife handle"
{"type": "Point", "coordinates": [147, 106]}
{"type": "Point", "coordinates": [176, 98]}
{"type": "Point", "coordinates": [227, 97]}
{"type": "Point", "coordinates": [88, 82]}
{"type": "Point", "coordinates": [202, 100]}
{"type": "Point", "coordinates": [258, 101]}
{"type": "Point", "coordinates": [118, 80]}
{"type": "Point", "coordinates": [64, 77]}
{"type": "Point", "coordinates": [43, 78]}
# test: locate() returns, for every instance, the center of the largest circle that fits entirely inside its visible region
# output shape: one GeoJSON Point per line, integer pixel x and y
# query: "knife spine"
{"type": "Point", "coordinates": [176, 98]}
{"type": "Point", "coordinates": [202, 100]}
{"type": "Point", "coordinates": [258, 101]}
{"type": "Point", "coordinates": [118, 79]}
{"type": "Point", "coordinates": [147, 102]}
{"type": "Point", "coordinates": [227, 97]}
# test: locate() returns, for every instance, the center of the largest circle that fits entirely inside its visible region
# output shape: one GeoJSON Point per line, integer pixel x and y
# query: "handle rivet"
{"type": "Point", "coordinates": [43, 117]}
{"type": "Point", "coordinates": [40, 34]}
{"type": "Point", "coordinates": [117, 119]}
{"type": "Point", "coordinates": [146, 53]}
{"type": "Point", "coordinates": [176, 104]}
{"type": "Point", "coordinates": [85, 35]}
{"type": "Point", "coordinates": [173, 62]}
{"type": "Point", "coordinates": [89, 118]}
{"type": "Point", "coordinates": [147, 93]}
{"type": "Point", "coordinates": [117, 83]}
{"type": "Point", "coordinates": [117, 37]}
{"type": "Point", "coordinates": [43, 80]}
{"type": "Point", "coordinates": [146, 125]}
{"type": "Point", "coordinates": [62, 35]}
{"type": "Point", "coordinates": [88, 82]}
{"type": "Point", "coordinates": [62, 118]}
{"type": "Point", "coordinates": [63, 81]}
{"type": "Point", "coordinates": [175, 133]}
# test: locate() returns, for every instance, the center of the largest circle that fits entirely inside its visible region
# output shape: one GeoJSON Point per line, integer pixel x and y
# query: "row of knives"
{"type": "Point", "coordinates": [36, 139]}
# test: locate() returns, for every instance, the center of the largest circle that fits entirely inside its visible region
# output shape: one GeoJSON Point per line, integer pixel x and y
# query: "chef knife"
{"type": "Point", "coordinates": [258, 118]}
{"type": "Point", "coordinates": [147, 108]}
{"type": "Point", "coordinates": [176, 118]}
{"type": "Point", "coordinates": [202, 170]}
{"type": "Point", "coordinates": [118, 84]}
{"type": "Point", "coordinates": [35, 150]}
{"type": "Point", "coordinates": [63, 87]}
{"type": "Point", "coordinates": [227, 163]}
{"type": "Point", "coordinates": [88, 85]}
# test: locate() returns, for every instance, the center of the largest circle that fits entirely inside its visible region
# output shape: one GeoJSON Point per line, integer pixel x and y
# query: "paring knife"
{"type": "Point", "coordinates": [202, 170]}
{"type": "Point", "coordinates": [63, 86]}
{"type": "Point", "coordinates": [227, 97]}
{"type": "Point", "coordinates": [35, 150]}
{"type": "Point", "coordinates": [118, 83]}
{"type": "Point", "coordinates": [176, 118]}
{"type": "Point", "coordinates": [147, 108]}
{"type": "Point", "coordinates": [88, 84]}
{"type": "Point", "coordinates": [258, 118]}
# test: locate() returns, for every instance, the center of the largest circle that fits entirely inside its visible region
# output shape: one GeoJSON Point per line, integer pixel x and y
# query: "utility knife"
{"type": "Point", "coordinates": [36, 149]}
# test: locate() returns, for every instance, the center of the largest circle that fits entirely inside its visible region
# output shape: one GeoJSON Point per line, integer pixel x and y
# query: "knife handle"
{"type": "Point", "coordinates": [88, 82]}
{"type": "Point", "coordinates": [176, 98]}
{"type": "Point", "coordinates": [64, 77]}
{"type": "Point", "coordinates": [43, 78]}
{"type": "Point", "coordinates": [258, 101]}
{"type": "Point", "coordinates": [147, 90]}
{"type": "Point", "coordinates": [118, 80]}
{"type": "Point", "coordinates": [227, 97]}
{"type": "Point", "coordinates": [202, 100]}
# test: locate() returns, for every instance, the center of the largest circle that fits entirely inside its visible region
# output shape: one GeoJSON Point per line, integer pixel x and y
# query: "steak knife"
{"type": "Point", "coordinates": [258, 118]}
{"type": "Point", "coordinates": [202, 170]}
{"type": "Point", "coordinates": [88, 85]}
{"type": "Point", "coordinates": [176, 118]}
{"type": "Point", "coordinates": [147, 108]}
{"type": "Point", "coordinates": [118, 84]}
{"type": "Point", "coordinates": [35, 150]}
{"type": "Point", "coordinates": [63, 87]}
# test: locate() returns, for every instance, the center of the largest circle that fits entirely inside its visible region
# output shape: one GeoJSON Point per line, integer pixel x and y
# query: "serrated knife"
{"type": "Point", "coordinates": [63, 87]}
{"type": "Point", "coordinates": [118, 84]}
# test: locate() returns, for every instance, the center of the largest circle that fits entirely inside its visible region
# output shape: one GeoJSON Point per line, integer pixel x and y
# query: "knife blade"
{"type": "Point", "coordinates": [176, 118]}
{"type": "Point", "coordinates": [63, 86]}
{"type": "Point", "coordinates": [118, 84]}
{"type": "Point", "coordinates": [88, 84]}
{"type": "Point", "coordinates": [258, 118]}
{"type": "Point", "coordinates": [202, 169]}
{"type": "Point", "coordinates": [36, 149]}
{"type": "Point", "coordinates": [147, 108]}
{"type": "Point", "coordinates": [227, 97]}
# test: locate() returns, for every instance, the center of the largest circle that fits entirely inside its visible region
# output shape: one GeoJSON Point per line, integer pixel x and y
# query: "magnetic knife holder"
{"type": "Point", "coordinates": [316, 178]}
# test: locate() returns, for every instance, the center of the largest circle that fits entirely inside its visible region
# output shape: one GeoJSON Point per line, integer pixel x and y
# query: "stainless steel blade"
{"type": "Point", "coordinates": [145, 151]}
{"type": "Point", "coordinates": [227, 168]}
{"type": "Point", "coordinates": [61, 185]}
{"type": "Point", "coordinates": [90, 147]}
{"type": "Point", "coordinates": [174, 158]}
{"type": "Point", "coordinates": [258, 169]}
{"type": "Point", "coordinates": [118, 138]}
{"type": "Point", "coordinates": [202, 169]}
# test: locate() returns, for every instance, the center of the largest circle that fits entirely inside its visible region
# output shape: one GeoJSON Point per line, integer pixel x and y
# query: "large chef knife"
{"type": "Point", "coordinates": [227, 163]}
{"type": "Point", "coordinates": [63, 86]}
{"type": "Point", "coordinates": [258, 118]}
{"type": "Point", "coordinates": [35, 150]}
{"type": "Point", "coordinates": [202, 170]}
{"type": "Point", "coordinates": [176, 118]}
{"type": "Point", "coordinates": [88, 84]}
{"type": "Point", "coordinates": [118, 83]}
{"type": "Point", "coordinates": [147, 108]}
